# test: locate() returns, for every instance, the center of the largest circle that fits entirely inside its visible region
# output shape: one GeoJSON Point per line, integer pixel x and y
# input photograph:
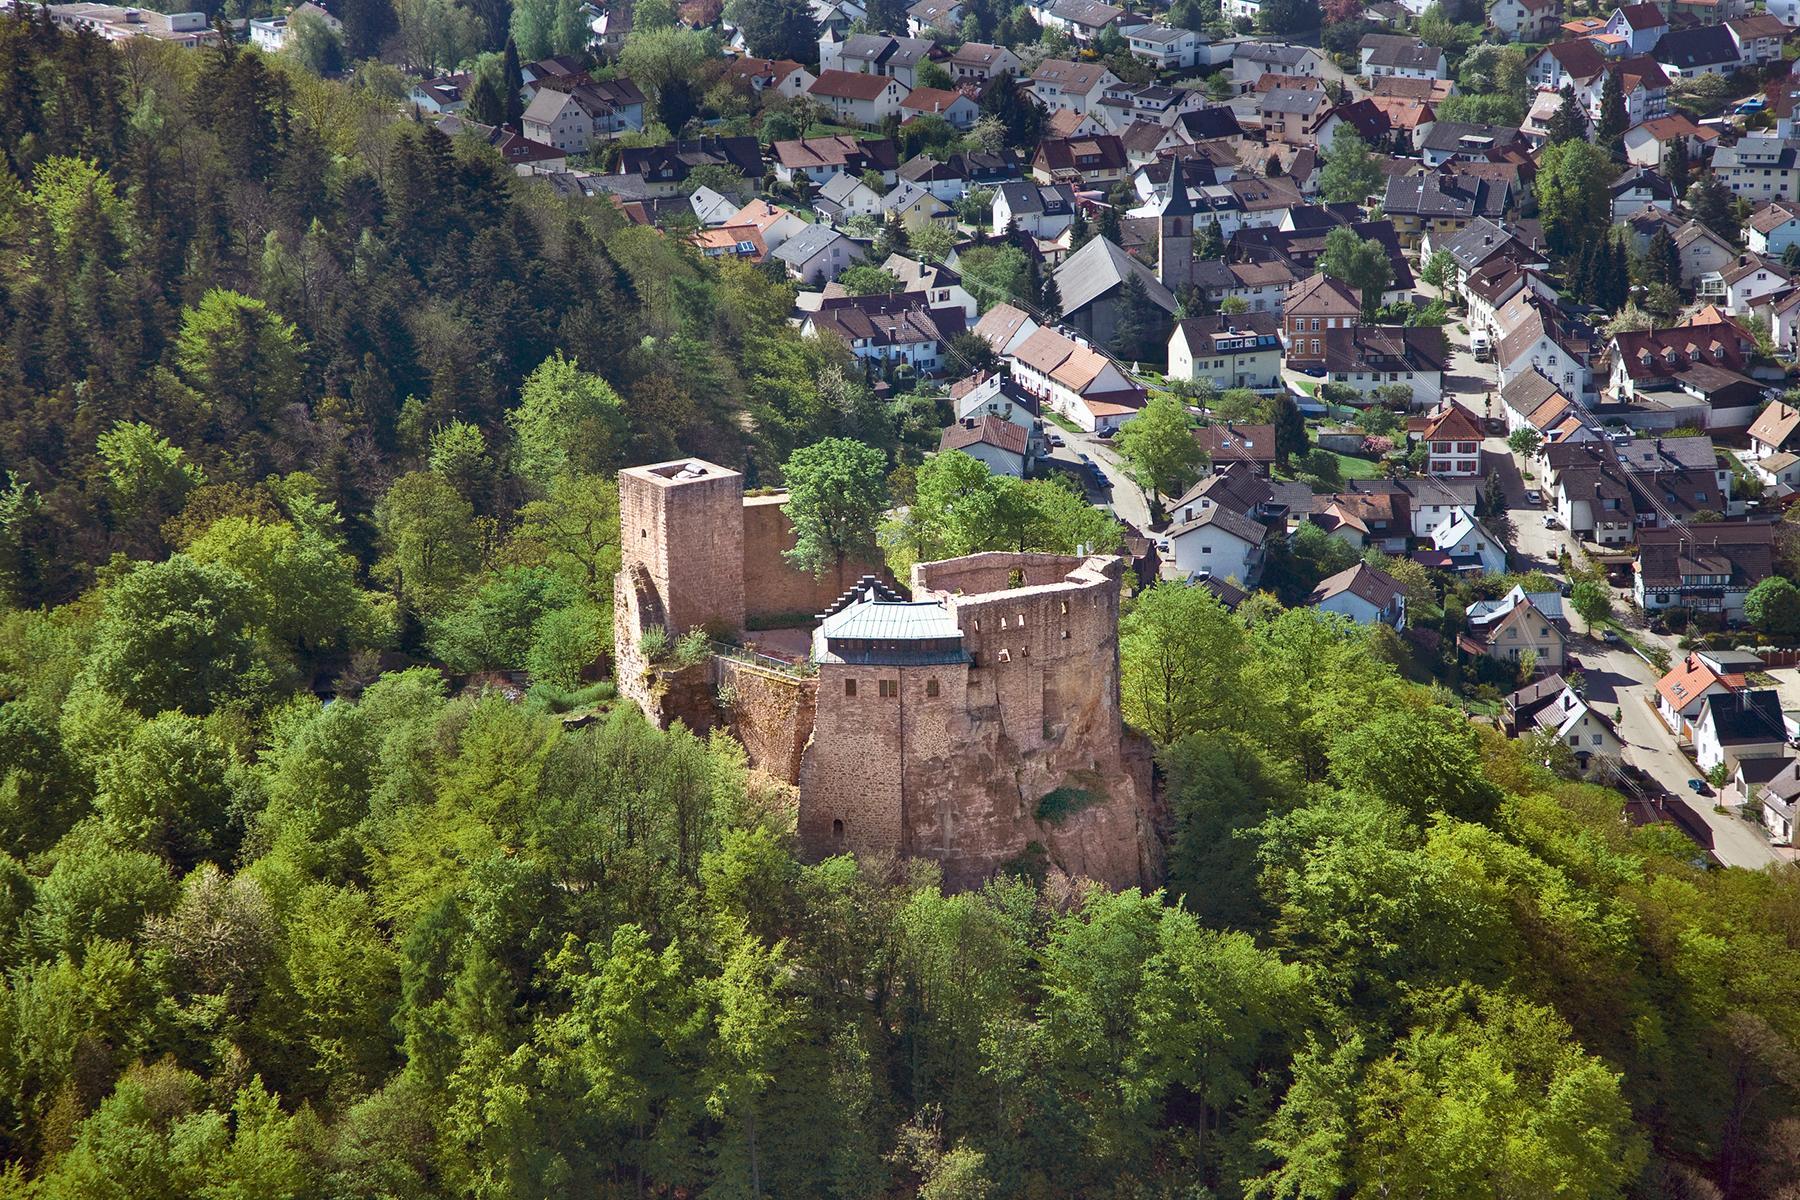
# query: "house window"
{"type": "Point", "coordinates": [849, 687]}
{"type": "Point", "coordinates": [931, 688]}
{"type": "Point", "coordinates": [837, 832]}
{"type": "Point", "coordinates": [889, 688]}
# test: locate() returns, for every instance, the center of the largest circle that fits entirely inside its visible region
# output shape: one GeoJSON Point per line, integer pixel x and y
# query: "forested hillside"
{"type": "Point", "coordinates": [300, 398]}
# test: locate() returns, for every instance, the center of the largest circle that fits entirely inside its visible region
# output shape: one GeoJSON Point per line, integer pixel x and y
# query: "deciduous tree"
{"type": "Point", "coordinates": [837, 491]}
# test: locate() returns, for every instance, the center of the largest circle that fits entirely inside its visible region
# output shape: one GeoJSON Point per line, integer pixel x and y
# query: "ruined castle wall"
{"type": "Point", "coordinates": [770, 713]}
{"type": "Point", "coordinates": [1041, 651]}
{"type": "Point", "coordinates": [688, 536]}
{"type": "Point", "coordinates": [772, 585]}
{"type": "Point", "coordinates": [994, 571]}
{"type": "Point", "coordinates": [852, 795]}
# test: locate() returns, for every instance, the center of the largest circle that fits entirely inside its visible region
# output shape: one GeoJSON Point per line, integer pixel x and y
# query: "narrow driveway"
{"type": "Point", "coordinates": [1617, 679]}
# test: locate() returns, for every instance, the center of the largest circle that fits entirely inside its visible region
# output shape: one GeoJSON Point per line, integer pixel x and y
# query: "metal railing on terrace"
{"type": "Point", "coordinates": [768, 662]}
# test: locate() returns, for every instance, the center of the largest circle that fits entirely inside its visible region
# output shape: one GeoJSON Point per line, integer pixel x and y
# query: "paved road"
{"type": "Point", "coordinates": [1124, 496]}
{"type": "Point", "coordinates": [1618, 679]}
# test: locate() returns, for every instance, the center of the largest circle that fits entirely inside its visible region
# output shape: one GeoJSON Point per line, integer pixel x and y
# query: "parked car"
{"type": "Point", "coordinates": [1055, 439]}
{"type": "Point", "coordinates": [1482, 347]}
{"type": "Point", "coordinates": [1533, 496]}
{"type": "Point", "coordinates": [1550, 521]}
{"type": "Point", "coordinates": [1698, 787]}
{"type": "Point", "coordinates": [1611, 637]}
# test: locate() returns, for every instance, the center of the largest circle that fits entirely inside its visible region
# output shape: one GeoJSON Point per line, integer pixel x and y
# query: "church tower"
{"type": "Point", "coordinates": [1175, 233]}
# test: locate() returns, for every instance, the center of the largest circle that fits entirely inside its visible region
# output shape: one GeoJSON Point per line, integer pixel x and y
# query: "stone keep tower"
{"type": "Point", "coordinates": [681, 546]}
{"type": "Point", "coordinates": [1175, 232]}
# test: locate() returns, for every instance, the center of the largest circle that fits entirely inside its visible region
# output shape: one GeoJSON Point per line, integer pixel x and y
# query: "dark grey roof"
{"type": "Point", "coordinates": [1099, 267]}
{"type": "Point", "coordinates": [1434, 194]}
{"type": "Point", "coordinates": [1163, 34]}
{"type": "Point", "coordinates": [806, 243]}
{"type": "Point", "coordinates": [1477, 241]}
{"type": "Point", "coordinates": [1050, 199]}
{"type": "Point", "coordinates": [875, 630]}
{"type": "Point", "coordinates": [1217, 516]}
{"type": "Point", "coordinates": [1697, 46]}
{"type": "Point", "coordinates": [1747, 717]}
{"type": "Point", "coordinates": [1400, 52]}
{"type": "Point", "coordinates": [1447, 137]}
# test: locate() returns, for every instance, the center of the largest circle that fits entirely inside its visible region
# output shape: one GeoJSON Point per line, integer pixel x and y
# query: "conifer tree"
{"type": "Point", "coordinates": [1613, 120]}
{"type": "Point", "coordinates": [1677, 165]}
{"type": "Point", "coordinates": [512, 79]}
{"type": "Point", "coordinates": [1569, 123]}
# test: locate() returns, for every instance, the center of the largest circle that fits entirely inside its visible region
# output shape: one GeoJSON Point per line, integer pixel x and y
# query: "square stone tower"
{"type": "Point", "coordinates": [681, 532]}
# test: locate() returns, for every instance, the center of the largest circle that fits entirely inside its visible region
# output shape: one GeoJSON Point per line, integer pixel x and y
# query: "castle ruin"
{"type": "Point", "coordinates": [975, 724]}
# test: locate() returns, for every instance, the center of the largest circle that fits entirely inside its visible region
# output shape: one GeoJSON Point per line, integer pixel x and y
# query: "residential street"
{"type": "Point", "coordinates": [1124, 497]}
{"type": "Point", "coordinates": [1618, 678]}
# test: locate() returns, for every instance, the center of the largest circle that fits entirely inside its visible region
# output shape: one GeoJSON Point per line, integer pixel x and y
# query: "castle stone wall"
{"type": "Point", "coordinates": [1036, 710]}
{"type": "Point", "coordinates": [773, 586]}
{"type": "Point", "coordinates": [770, 713]}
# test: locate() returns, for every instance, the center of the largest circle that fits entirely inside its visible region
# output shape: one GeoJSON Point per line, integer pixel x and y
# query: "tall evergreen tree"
{"type": "Point", "coordinates": [1023, 119]}
{"type": "Point", "coordinates": [1212, 241]}
{"type": "Point", "coordinates": [486, 105]}
{"type": "Point", "coordinates": [1109, 224]}
{"type": "Point", "coordinates": [1677, 166]}
{"type": "Point", "coordinates": [1611, 126]}
{"type": "Point", "coordinates": [777, 29]}
{"type": "Point", "coordinates": [1662, 260]}
{"type": "Point", "coordinates": [366, 26]}
{"type": "Point", "coordinates": [496, 20]}
{"type": "Point", "coordinates": [1618, 280]}
{"type": "Point", "coordinates": [1569, 123]}
{"type": "Point", "coordinates": [512, 79]}
{"type": "Point", "coordinates": [1710, 202]}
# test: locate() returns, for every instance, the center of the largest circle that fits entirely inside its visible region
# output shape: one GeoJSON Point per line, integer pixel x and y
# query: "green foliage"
{"type": "Point", "coordinates": [1160, 448]}
{"type": "Point", "coordinates": [864, 280]}
{"type": "Point", "coordinates": [1571, 193]}
{"type": "Point", "coordinates": [1351, 174]}
{"type": "Point", "coordinates": [1524, 441]}
{"type": "Point", "coordinates": [1592, 600]}
{"type": "Point", "coordinates": [408, 944]}
{"type": "Point", "coordinates": [959, 507]}
{"type": "Point", "coordinates": [428, 539]}
{"type": "Point", "coordinates": [567, 422]}
{"type": "Point", "coordinates": [837, 491]}
{"type": "Point", "coordinates": [1773, 606]}
{"type": "Point", "coordinates": [1362, 263]}
{"type": "Point", "coordinates": [1059, 804]}
{"type": "Point", "coordinates": [1179, 656]}
{"type": "Point", "coordinates": [775, 28]}
{"type": "Point", "coordinates": [177, 635]}
{"type": "Point", "coordinates": [995, 275]}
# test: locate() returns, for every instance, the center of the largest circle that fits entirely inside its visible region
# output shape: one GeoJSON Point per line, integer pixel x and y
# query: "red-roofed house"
{"type": "Point", "coordinates": [777, 76]}
{"type": "Point", "coordinates": [1452, 443]}
{"type": "Point", "coordinates": [954, 107]}
{"type": "Point", "coordinates": [994, 441]}
{"type": "Point", "coordinates": [858, 99]}
{"type": "Point", "coordinates": [1682, 693]}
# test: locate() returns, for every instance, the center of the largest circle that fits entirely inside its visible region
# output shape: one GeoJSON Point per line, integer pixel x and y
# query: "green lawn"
{"type": "Point", "coordinates": [1061, 422]}
{"type": "Point", "coordinates": [1357, 468]}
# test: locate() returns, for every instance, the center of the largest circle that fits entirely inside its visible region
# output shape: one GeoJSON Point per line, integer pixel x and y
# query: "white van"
{"type": "Point", "coordinates": [1481, 346]}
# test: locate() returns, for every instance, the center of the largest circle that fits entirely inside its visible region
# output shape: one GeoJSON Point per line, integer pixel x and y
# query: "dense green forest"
{"type": "Point", "coordinates": [302, 398]}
